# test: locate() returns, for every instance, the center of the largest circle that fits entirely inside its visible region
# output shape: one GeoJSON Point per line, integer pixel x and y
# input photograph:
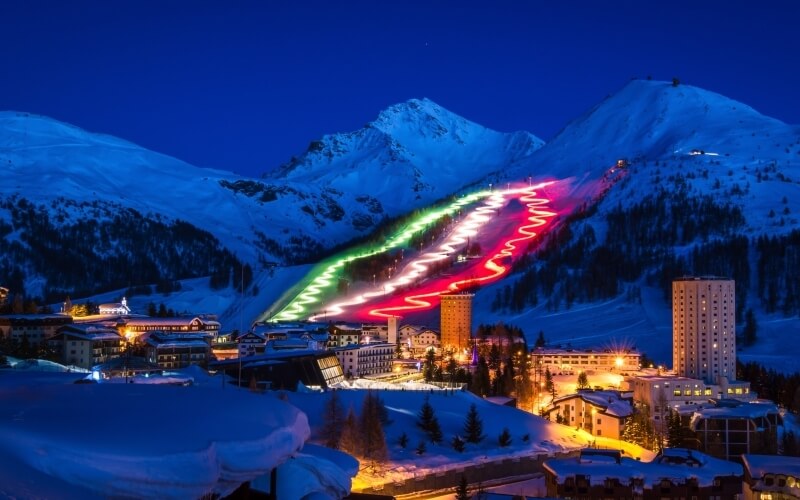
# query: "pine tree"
{"type": "Point", "coordinates": [421, 448]}
{"type": "Point", "coordinates": [426, 415]}
{"type": "Point", "coordinates": [429, 366]}
{"type": "Point", "coordinates": [435, 433]}
{"type": "Point", "coordinates": [373, 440]}
{"type": "Point", "coordinates": [674, 430]}
{"type": "Point", "coordinates": [504, 439]}
{"type": "Point", "coordinates": [473, 426]}
{"type": "Point", "coordinates": [540, 341]}
{"type": "Point", "coordinates": [403, 440]}
{"type": "Point", "coordinates": [549, 384]}
{"type": "Point", "coordinates": [458, 444]}
{"type": "Point", "coordinates": [462, 491]}
{"type": "Point", "coordinates": [333, 416]}
{"type": "Point", "coordinates": [349, 440]}
{"type": "Point", "coordinates": [583, 381]}
{"type": "Point", "coordinates": [480, 382]}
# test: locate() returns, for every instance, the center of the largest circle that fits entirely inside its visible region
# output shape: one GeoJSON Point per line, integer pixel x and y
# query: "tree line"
{"type": "Point", "coordinates": [108, 247]}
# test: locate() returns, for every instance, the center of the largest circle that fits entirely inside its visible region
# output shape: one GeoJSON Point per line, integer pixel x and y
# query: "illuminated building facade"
{"type": "Point", "coordinates": [456, 320]}
{"type": "Point", "coordinates": [559, 360]}
{"type": "Point", "coordinates": [704, 328]}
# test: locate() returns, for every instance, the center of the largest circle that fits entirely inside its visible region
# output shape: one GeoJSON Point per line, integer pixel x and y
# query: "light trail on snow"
{"type": "Point", "coordinates": [299, 307]}
{"type": "Point", "coordinates": [534, 217]}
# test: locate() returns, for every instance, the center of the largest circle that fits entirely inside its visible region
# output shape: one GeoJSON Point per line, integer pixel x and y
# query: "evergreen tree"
{"type": "Point", "coordinates": [458, 444]}
{"type": "Point", "coordinates": [421, 448]}
{"type": "Point", "coordinates": [524, 387]}
{"type": "Point", "coordinates": [462, 492]}
{"type": "Point", "coordinates": [435, 433]}
{"type": "Point", "coordinates": [429, 365]}
{"type": "Point", "coordinates": [480, 382]}
{"type": "Point", "coordinates": [504, 439]}
{"type": "Point", "coordinates": [583, 381]}
{"type": "Point", "coordinates": [373, 440]}
{"type": "Point", "coordinates": [549, 384]}
{"type": "Point", "coordinates": [540, 341]}
{"type": "Point", "coordinates": [473, 426]}
{"type": "Point", "coordinates": [426, 416]}
{"type": "Point", "coordinates": [403, 440]}
{"type": "Point", "coordinates": [333, 416]}
{"type": "Point", "coordinates": [349, 441]}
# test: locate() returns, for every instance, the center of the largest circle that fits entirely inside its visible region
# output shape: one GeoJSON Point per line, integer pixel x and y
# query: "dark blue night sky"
{"type": "Point", "coordinates": [243, 86]}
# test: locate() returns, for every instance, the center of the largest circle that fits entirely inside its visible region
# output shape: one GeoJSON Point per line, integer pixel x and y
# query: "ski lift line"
{"type": "Point", "coordinates": [312, 292]}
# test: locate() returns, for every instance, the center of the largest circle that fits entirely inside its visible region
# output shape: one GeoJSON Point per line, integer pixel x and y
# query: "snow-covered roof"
{"type": "Point", "coordinates": [758, 465]}
{"type": "Point", "coordinates": [178, 320]}
{"type": "Point", "coordinates": [609, 402]}
{"type": "Point", "coordinates": [599, 468]}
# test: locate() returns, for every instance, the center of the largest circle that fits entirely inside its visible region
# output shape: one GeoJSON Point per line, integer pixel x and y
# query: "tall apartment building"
{"type": "Point", "coordinates": [704, 328]}
{"type": "Point", "coordinates": [456, 320]}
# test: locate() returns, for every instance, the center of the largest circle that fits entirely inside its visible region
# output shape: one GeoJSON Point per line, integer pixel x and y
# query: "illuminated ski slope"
{"type": "Point", "coordinates": [325, 280]}
{"type": "Point", "coordinates": [490, 269]}
{"type": "Point", "coordinates": [503, 239]}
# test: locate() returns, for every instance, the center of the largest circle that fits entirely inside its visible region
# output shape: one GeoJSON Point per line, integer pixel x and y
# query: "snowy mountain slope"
{"type": "Point", "coordinates": [654, 120]}
{"type": "Point", "coordinates": [83, 181]}
{"type": "Point", "coordinates": [413, 152]}
{"type": "Point", "coordinates": [686, 148]}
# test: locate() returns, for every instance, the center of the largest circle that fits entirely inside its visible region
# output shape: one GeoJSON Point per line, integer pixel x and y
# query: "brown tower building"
{"type": "Point", "coordinates": [456, 320]}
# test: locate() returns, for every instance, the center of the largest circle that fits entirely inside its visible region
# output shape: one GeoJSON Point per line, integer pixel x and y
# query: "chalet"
{"type": "Point", "coordinates": [251, 344]}
{"type": "Point", "coordinates": [424, 340]}
{"type": "Point", "coordinates": [343, 334]}
{"type": "Point", "coordinates": [600, 413]}
{"type": "Point", "coordinates": [771, 476]}
{"type": "Point", "coordinates": [86, 345]}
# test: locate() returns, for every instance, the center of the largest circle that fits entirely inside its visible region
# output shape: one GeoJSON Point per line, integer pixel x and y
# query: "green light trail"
{"type": "Point", "coordinates": [298, 307]}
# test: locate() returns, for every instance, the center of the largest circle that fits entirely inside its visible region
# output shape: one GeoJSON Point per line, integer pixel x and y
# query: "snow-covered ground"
{"type": "Point", "coordinates": [59, 439]}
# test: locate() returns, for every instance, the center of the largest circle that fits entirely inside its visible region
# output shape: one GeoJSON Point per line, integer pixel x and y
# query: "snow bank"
{"type": "Point", "coordinates": [140, 441]}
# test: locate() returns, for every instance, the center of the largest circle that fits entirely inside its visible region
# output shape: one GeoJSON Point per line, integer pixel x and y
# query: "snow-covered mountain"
{"type": "Point", "coordinates": [413, 152]}
{"type": "Point", "coordinates": [61, 180]}
{"type": "Point", "coordinates": [654, 120]}
{"type": "Point", "coordinates": [708, 180]}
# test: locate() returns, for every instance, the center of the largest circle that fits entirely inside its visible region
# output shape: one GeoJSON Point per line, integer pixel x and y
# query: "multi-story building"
{"type": "Point", "coordinates": [456, 320]}
{"type": "Point", "coordinates": [177, 350]}
{"type": "Point", "coordinates": [132, 327]}
{"type": "Point", "coordinates": [366, 359]}
{"type": "Point", "coordinates": [343, 334]}
{"type": "Point", "coordinates": [86, 345]}
{"type": "Point", "coordinates": [771, 476]}
{"type": "Point", "coordinates": [704, 328]}
{"type": "Point", "coordinates": [423, 341]}
{"type": "Point", "coordinates": [674, 473]}
{"type": "Point", "coordinates": [600, 413]}
{"type": "Point", "coordinates": [727, 429]}
{"type": "Point", "coordinates": [37, 328]}
{"type": "Point", "coordinates": [568, 360]}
